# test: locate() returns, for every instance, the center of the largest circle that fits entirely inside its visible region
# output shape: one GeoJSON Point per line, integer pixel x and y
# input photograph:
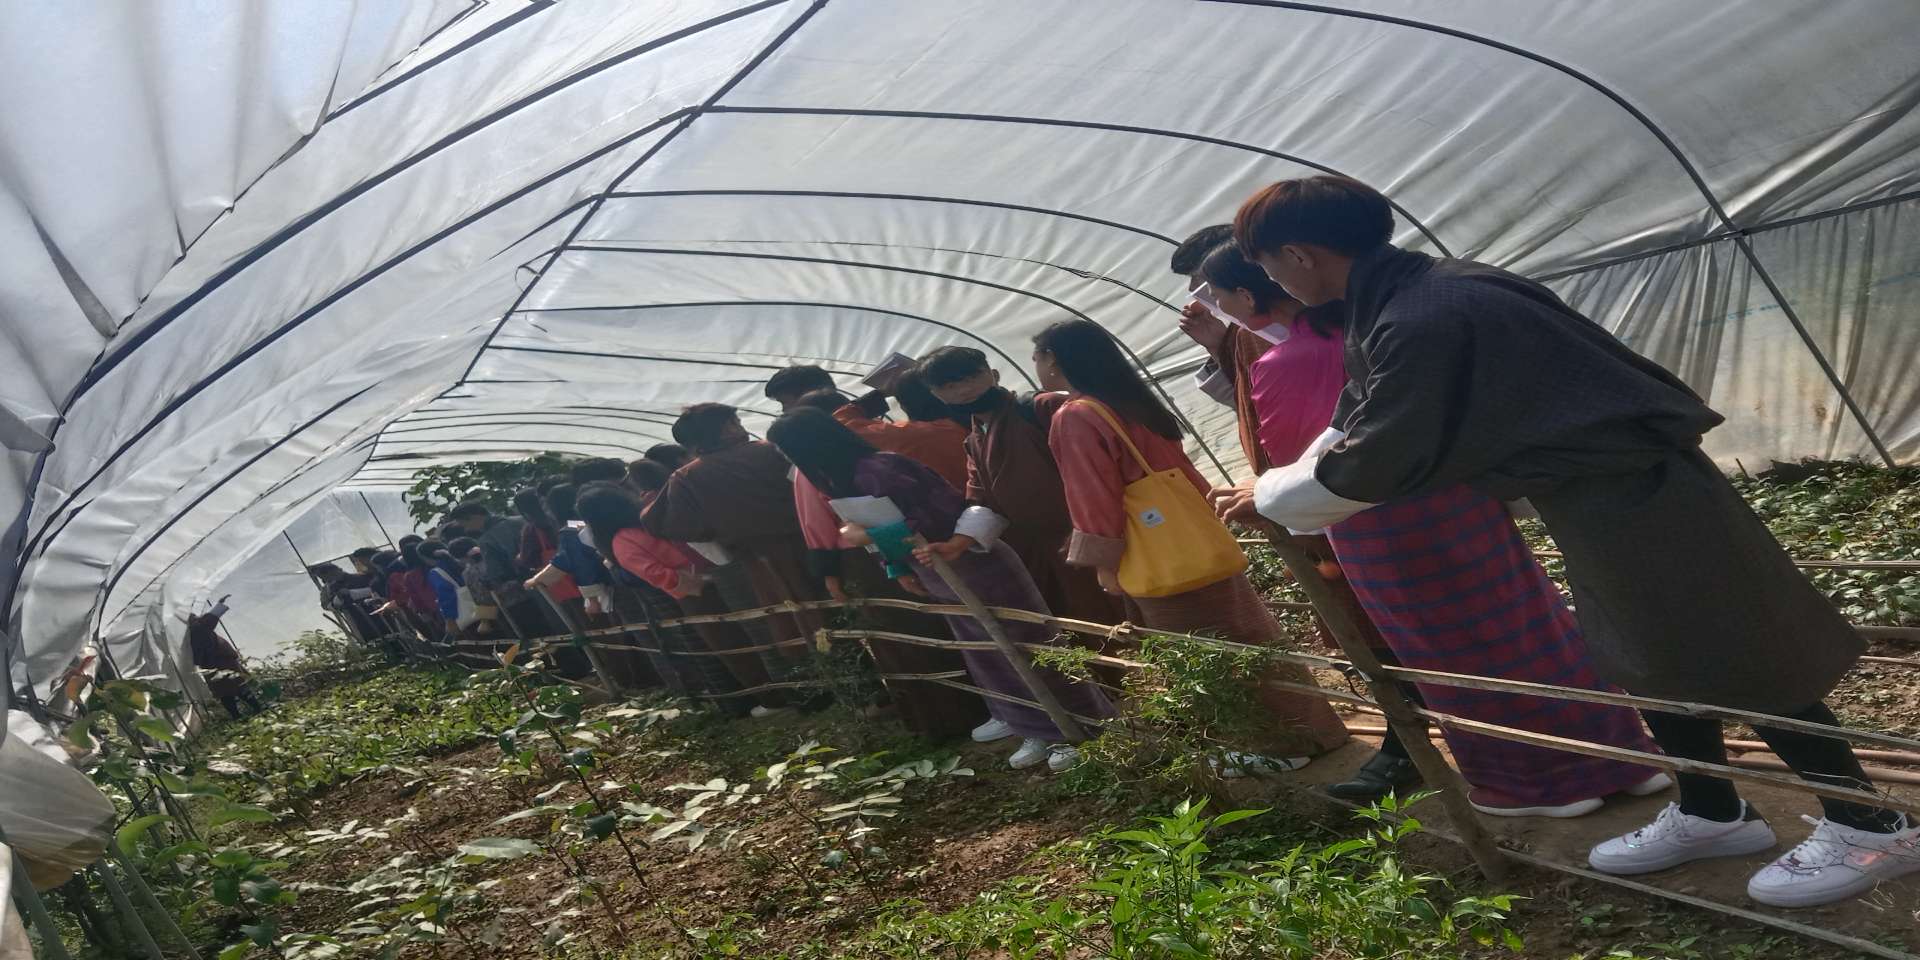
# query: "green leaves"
{"type": "Point", "coordinates": [156, 728]}
{"type": "Point", "coordinates": [239, 813]}
{"type": "Point", "coordinates": [128, 836]}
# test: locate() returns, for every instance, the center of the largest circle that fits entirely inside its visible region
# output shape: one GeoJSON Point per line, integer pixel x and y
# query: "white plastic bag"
{"type": "Point", "coordinates": [14, 944]}
{"type": "Point", "coordinates": [53, 815]}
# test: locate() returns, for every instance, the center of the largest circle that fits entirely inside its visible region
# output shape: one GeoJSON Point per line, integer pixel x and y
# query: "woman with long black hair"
{"type": "Point", "coordinates": [847, 468]}
{"type": "Point", "coordinates": [1113, 432]}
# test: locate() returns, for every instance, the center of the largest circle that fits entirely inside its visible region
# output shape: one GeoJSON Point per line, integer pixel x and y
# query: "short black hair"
{"type": "Point", "coordinates": [670, 455]}
{"type": "Point", "coordinates": [1338, 213]}
{"type": "Point", "coordinates": [596, 470]}
{"type": "Point", "coordinates": [326, 571]}
{"type": "Point", "coordinates": [647, 475]}
{"type": "Point", "coordinates": [461, 546]}
{"type": "Point", "coordinates": [796, 380]}
{"type": "Point", "coordinates": [364, 553]}
{"type": "Point", "coordinates": [826, 401]}
{"type": "Point", "coordinates": [952, 365]}
{"type": "Point", "coordinates": [700, 425]}
{"type": "Point", "coordinates": [916, 398]}
{"type": "Point", "coordinates": [471, 508]}
{"type": "Point", "coordinates": [1194, 249]}
{"type": "Point", "coordinates": [560, 501]}
{"type": "Point", "coordinates": [407, 539]}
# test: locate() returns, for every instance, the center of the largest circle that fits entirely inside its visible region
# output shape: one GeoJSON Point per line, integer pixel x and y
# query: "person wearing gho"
{"type": "Point", "coordinates": [1010, 471]}
{"type": "Point", "coordinates": [1113, 433]}
{"type": "Point", "coordinates": [846, 467]}
{"type": "Point", "coordinates": [1449, 582]}
{"type": "Point", "coordinates": [735, 496]}
{"type": "Point", "coordinates": [1463, 373]}
{"type": "Point", "coordinates": [216, 656]}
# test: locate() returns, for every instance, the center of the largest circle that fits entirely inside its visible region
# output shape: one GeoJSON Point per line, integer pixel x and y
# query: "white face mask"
{"type": "Point", "coordinates": [1203, 295]}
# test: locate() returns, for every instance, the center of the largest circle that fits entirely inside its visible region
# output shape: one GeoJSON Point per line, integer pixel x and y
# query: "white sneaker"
{"type": "Point", "coordinates": [992, 730]}
{"type": "Point", "coordinates": [1031, 753]}
{"type": "Point", "coordinates": [1565, 811]}
{"type": "Point", "coordinates": [1835, 863]}
{"type": "Point", "coordinates": [1674, 838]}
{"type": "Point", "coordinates": [763, 712]}
{"type": "Point", "coordinates": [1063, 758]}
{"type": "Point", "coordinates": [1235, 765]}
{"type": "Point", "coordinates": [1649, 786]}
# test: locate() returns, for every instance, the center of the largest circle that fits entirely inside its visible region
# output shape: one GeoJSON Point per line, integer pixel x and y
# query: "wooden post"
{"type": "Point", "coordinates": [1400, 713]}
{"type": "Point", "coordinates": [614, 689]}
{"type": "Point", "coordinates": [1022, 664]}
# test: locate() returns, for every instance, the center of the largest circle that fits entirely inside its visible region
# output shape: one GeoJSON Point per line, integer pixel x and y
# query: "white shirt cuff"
{"type": "Point", "coordinates": [1215, 383]}
{"type": "Point", "coordinates": [982, 524]}
{"type": "Point", "coordinates": [1292, 497]}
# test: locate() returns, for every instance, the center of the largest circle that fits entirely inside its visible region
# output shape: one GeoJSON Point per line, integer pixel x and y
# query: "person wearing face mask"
{"type": "Point", "coordinates": [1465, 374]}
{"type": "Point", "coordinates": [1449, 582]}
{"type": "Point", "coordinates": [1011, 472]}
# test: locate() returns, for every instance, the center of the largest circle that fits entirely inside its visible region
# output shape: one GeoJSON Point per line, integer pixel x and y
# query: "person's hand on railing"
{"type": "Point", "coordinates": [1234, 504]}
{"type": "Point", "coordinates": [948, 550]}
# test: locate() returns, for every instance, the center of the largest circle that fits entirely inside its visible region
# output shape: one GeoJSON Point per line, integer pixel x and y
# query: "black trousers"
{"type": "Point", "coordinates": [1815, 758]}
{"type": "Point", "coordinates": [232, 701]}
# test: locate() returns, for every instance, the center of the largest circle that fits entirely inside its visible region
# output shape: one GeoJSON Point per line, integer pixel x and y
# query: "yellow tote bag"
{"type": "Point", "coordinates": [1174, 542]}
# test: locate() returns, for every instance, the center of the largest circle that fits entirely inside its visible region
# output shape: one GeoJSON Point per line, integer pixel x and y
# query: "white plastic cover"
{"type": "Point", "coordinates": [251, 253]}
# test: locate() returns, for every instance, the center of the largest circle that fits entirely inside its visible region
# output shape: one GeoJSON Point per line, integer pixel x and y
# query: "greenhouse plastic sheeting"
{"type": "Point", "coordinates": [252, 253]}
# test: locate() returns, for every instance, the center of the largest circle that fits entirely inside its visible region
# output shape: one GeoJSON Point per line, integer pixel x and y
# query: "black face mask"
{"type": "Point", "coordinates": [984, 403]}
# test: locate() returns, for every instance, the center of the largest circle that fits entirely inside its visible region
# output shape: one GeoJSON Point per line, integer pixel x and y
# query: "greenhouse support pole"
{"type": "Point", "coordinates": [1021, 661]}
{"type": "Point", "coordinates": [376, 521]}
{"type": "Point", "coordinates": [145, 893]}
{"type": "Point", "coordinates": [124, 907]}
{"type": "Point", "coordinates": [32, 909]}
{"type": "Point", "coordinates": [1400, 714]}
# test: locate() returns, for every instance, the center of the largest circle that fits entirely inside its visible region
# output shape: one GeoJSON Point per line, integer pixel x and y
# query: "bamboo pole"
{"type": "Point", "coordinates": [614, 689]}
{"type": "Point", "coordinates": [1022, 663]}
{"type": "Point", "coordinates": [1400, 713]}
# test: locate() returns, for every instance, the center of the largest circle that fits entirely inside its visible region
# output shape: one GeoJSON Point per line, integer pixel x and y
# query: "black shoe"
{"type": "Point", "coordinates": [1379, 776]}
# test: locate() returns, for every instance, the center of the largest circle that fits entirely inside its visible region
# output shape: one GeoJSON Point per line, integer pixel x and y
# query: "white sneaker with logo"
{"type": "Point", "coordinates": [1674, 838]}
{"type": "Point", "coordinates": [1836, 863]}
{"type": "Point", "coordinates": [991, 731]}
{"type": "Point", "coordinates": [1032, 753]}
{"type": "Point", "coordinates": [1064, 757]}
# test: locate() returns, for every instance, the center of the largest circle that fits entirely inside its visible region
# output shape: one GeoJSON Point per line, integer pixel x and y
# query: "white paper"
{"type": "Point", "coordinates": [1203, 295]}
{"type": "Point", "coordinates": [867, 511]}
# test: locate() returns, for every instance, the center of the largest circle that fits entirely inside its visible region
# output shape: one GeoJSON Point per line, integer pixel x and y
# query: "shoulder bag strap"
{"type": "Point", "coordinates": [1107, 415]}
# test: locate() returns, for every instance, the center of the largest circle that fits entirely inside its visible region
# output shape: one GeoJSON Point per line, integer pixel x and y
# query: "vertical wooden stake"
{"type": "Point", "coordinates": [1400, 713]}
{"type": "Point", "coordinates": [614, 689]}
{"type": "Point", "coordinates": [1022, 663]}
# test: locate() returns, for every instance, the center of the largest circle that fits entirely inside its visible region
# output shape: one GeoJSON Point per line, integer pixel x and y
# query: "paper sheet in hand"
{"type": "Point", "coordinates": [867, 511]}
{"type": "Point", "coordinates": [1203, 295]}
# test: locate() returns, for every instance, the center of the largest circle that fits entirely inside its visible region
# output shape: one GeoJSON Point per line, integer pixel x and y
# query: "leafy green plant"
{"type": "Point", "coordinates": [1160, 892]}
{"type": "Point", "coordinates": [436, 490]}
